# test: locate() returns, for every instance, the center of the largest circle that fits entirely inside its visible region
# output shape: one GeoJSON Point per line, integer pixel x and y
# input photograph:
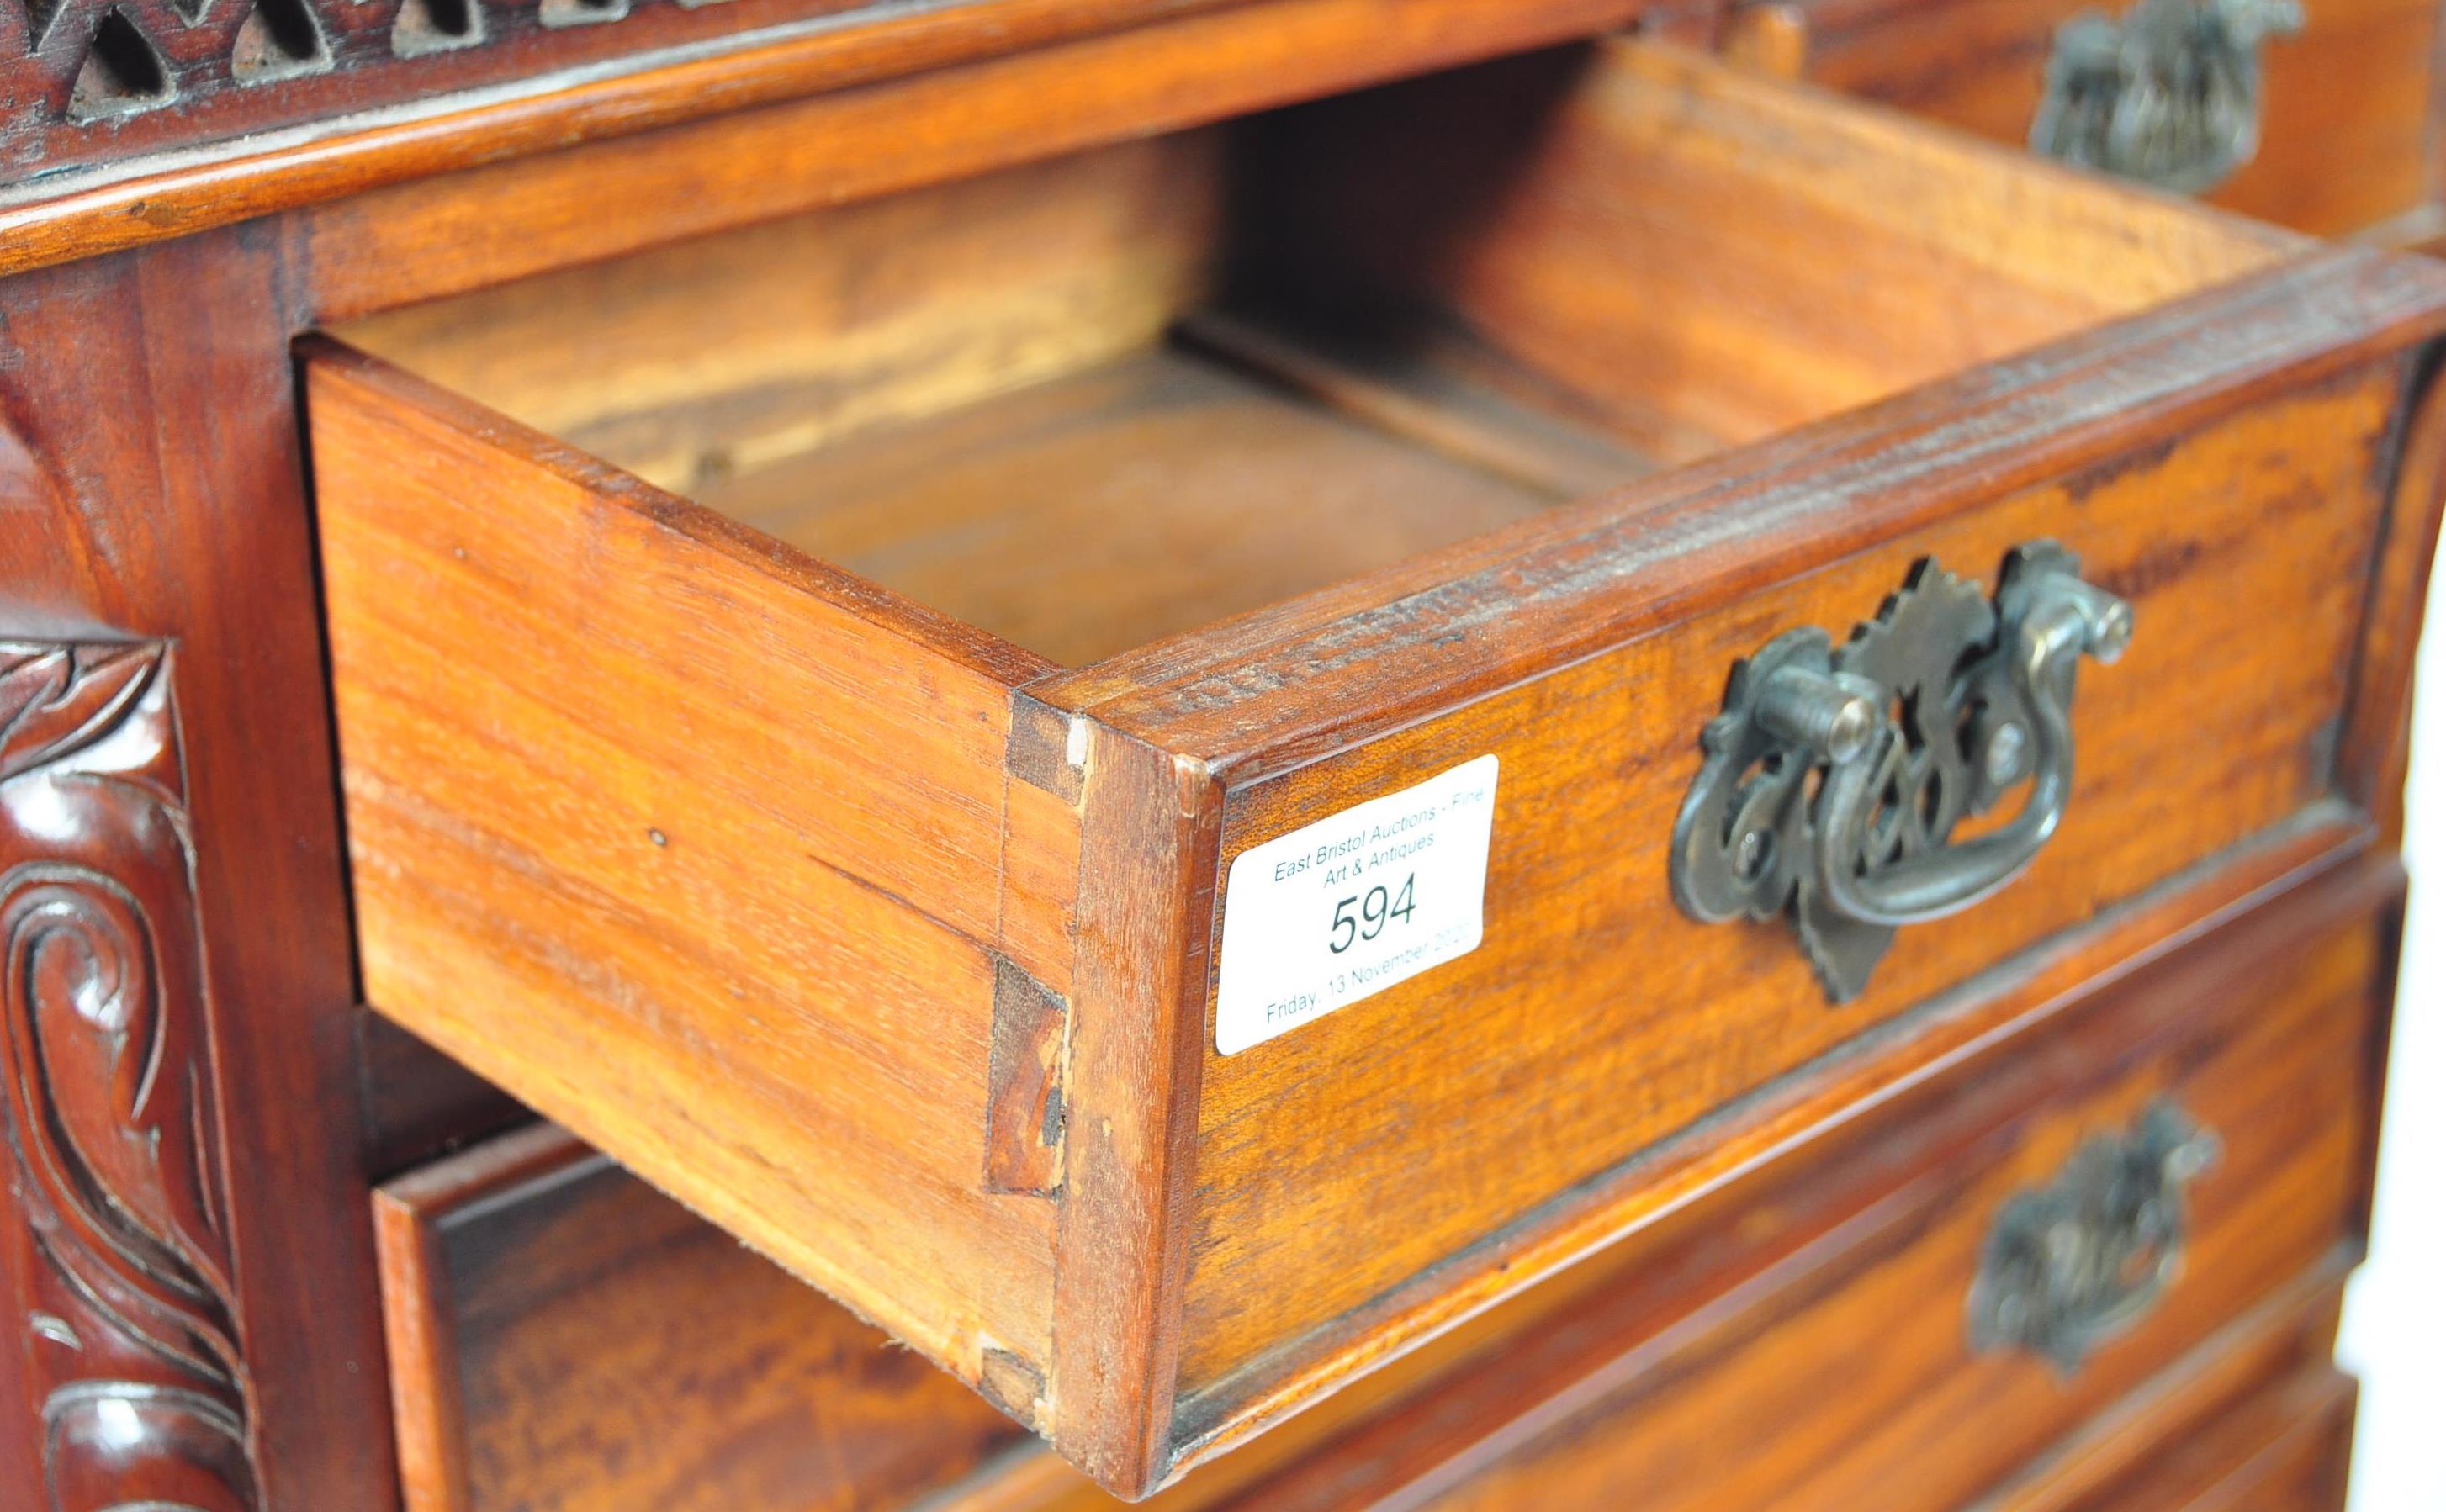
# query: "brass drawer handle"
{"type": "Point", "coordinates": [2168, 95]}
{"type": "Point", "coordinates": [2074, 1263]}
{"type": "Point", "coordinates": [1931, 712]}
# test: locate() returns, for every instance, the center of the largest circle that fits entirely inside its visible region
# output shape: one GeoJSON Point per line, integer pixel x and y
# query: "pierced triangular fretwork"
{"type": "Point", "coordinates": [122, 72]}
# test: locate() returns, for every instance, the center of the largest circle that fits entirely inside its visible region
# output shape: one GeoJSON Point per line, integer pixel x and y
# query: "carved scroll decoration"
{"type": "Point", "coordinates": [126, 1268]}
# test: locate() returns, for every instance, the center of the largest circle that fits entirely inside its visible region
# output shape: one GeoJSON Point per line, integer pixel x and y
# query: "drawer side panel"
{"type": "Point", "coordinates": [684, 841]}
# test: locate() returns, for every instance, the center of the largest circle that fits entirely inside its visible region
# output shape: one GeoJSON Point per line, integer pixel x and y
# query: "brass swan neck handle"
{"type": "Point", "coordinates": [2167, 94]}
{"type": "Point", "coordinates": [1931, 712]}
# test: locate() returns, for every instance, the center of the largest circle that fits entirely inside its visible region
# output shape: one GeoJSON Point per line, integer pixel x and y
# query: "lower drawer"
{"type": "Point", "coordinates": [1904, 1313]}
{"type": "Point", "coordinates": [2260, 1418]}
{"type": "Point", "coordinates": [2284, 1446]}
{"type": "Point", "coordinates": [563, 1336]}
{"type": "Point", "coordinates": [2292, 1452]}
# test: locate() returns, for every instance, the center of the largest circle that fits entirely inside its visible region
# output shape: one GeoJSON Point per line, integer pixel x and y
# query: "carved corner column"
{"type": "Point", "coordinates": [189, 1316]}
{"type": "Point", "coordinates": [117, 1159]}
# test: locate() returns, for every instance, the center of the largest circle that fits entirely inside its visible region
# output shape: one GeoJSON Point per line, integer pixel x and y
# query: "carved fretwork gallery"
{"type": "Point", "coordinates": [86, 83]}
{"type": "Point", "coordinates": [126, 1309]}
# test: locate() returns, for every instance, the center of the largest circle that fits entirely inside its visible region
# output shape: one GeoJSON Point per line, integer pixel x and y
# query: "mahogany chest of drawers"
{"type": "Point", "coordinates": [1289, 754]}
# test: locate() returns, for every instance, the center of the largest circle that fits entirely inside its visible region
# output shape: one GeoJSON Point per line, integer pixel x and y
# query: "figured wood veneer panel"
{"type": "Point", "coordinates": [1595, 1021]}
{"type": "Point", "coordinates": [688, 840]}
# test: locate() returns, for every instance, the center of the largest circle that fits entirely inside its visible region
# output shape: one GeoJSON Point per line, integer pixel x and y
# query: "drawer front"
{"type": "Point", "coordinates": [2346, 108]}
{"type": "Point", "coordinates": [1865, 1367]}
{"type": "Point", "coordinates": [2286, 1447]}
{"type": "Point", "coordinates": [2299, 1460]}
{"type": "Point", "coordinates": [1803, 1337]}
{"type": "Point", "coordinates": [904, 954]}
{"type": "Point", "coordinates": [1375, 1170]}
{"type": "Point", "coordinates": [1594, 1022]}
{"type": "Point", "coordinates": [2257, 1417]}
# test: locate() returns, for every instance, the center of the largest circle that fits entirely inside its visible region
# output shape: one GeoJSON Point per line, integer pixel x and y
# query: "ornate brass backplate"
{"type": "Point", "coordinates": [2071, 1264]}
{"type": "Point", "coordinates": [2167, 95]}
{"type": "Point", "coordinates": [1835, 776]}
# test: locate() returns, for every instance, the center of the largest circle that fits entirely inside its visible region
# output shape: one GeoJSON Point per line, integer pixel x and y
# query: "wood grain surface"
{"type": "Point", "coordinates": [443, 234]}
{"type": "Point", "coordinates": [574, 864]}
{"type": "Point", "coordinates": [1706, 260]}
{"type": "Point", "coordinates": [562, 1296]}
{"type": "Point", "coordinates": [2287, 1448]}
{"type": "Point", "coordinates": [563, 1336]}
{"type": "Point", "coordinates": [2375, 751]}
{"type": "Point", "coordinates": [886, 943]}
{"type": "Point", "coordinates": [1079, 70]}
{"type": "Point", "coordinates": [1588, 984]}
{"type": "Point", "coordinates": [962, 392]}
{"type": "Point", "coordinates": [706, 361]}
{"type": "Point", "coordinates": [1857, 1385]}
{"type": "Point", "coordinates": [2256, 1374]}
{"type": "Point", "coordinates": [782, 872]}
{"type": "Point", "coordinates": [1720, 1223]}
{"type": "Point", "coordinates": [1092, 514]}
{"type": "Point", "coordinates": [187, 1269]}
{"type": "Point", "coordinates": [78, 104]}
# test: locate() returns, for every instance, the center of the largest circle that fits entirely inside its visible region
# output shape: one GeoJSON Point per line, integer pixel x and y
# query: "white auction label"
{"type": "Point", "coordinates": [1343, 908]}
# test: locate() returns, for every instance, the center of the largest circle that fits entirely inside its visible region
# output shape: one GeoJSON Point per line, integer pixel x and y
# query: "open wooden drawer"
{"type": "Point", "coordinates": [935, 852]}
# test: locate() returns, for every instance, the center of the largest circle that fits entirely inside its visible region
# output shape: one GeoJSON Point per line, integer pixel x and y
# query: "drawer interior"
{"type": "Point", "coordinates": [1087, 403]}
